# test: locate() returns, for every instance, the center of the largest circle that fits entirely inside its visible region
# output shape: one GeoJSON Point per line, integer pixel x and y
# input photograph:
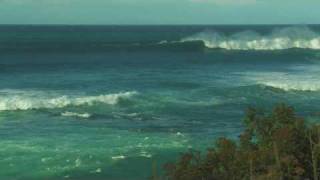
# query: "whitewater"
{"type": "Point", "coordinates": [36, 100]}
{"type": "Point", "coordinates": [278, 39]}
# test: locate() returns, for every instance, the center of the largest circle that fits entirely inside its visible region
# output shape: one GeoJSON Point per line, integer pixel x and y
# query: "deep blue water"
{"type": "Point", "coordinates": [107, 102]}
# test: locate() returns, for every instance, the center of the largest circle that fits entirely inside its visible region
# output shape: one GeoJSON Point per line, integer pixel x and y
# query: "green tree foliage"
{"type": "Point", "coordinates": [279, 145]}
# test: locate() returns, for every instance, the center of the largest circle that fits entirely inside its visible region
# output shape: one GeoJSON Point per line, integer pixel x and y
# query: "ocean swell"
{"type": "Point", "coordinates": [305, 80]}
{"type": "Point", "coordinates": [278, 39]}
{"type": "Point", "coordinates": [27, 101]}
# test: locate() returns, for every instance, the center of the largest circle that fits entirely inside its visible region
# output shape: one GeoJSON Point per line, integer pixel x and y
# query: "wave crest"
{"type": "Point", "coordinates": [27, 101]}
{"type": "Point", "coordinates": [303, 78]}
{"type": "Point", "coordinates": [279, 39]}
{"type": "Point", "coordinates": [293, 86]}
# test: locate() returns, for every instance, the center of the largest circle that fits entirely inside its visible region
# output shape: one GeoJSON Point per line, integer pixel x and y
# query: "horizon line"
{"type": "Point", "coordinates": [253, 24]}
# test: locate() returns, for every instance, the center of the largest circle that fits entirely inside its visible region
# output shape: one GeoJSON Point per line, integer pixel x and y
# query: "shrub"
{"type": "Point", "coordinates": [278, 145]}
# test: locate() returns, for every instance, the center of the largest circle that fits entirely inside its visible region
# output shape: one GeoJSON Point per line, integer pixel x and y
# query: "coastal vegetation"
{"type": "Point", "coordinates": [279, 145]}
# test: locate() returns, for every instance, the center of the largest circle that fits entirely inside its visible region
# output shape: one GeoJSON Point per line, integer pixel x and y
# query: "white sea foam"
{"type": "Point", "coordinates": [279, 39]}
{"type": "Point", "coordinates": [292, 85]}
{"type": "Point", "coordinates": [118, 157]}
{"type": "Point", "coordinates": [145, 154]}
{"type": "Point", "coordinates": [16, 100]}
{"type": "Point", "coordinates": [74, 114]}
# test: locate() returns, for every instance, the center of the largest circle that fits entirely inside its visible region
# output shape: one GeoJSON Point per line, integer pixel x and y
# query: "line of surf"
{"type": "Point", "coordinates": [278, 39]}
{"type": "Point", "coordinates": [28, 100]}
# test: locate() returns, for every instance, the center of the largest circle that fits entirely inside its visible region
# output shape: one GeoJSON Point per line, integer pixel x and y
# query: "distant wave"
{"type": "Point", "coordinates": [278, 39]}
{"type": "Point", "coordinates": [28, 101]}
{"type": "Point", "coordinates": [293, 86]}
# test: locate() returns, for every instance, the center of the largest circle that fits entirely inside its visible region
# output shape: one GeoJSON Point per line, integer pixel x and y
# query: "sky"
{"type": "Point", "coordinates": [140, 12]}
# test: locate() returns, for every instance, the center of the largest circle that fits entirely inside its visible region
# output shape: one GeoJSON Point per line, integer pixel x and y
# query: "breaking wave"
{"type": "Point", "coordinates": [305, 80]}
{"type": "Point", "coordinates": [278, 39]}
{"type": "Point", "coordinates": [28, 101]}
{"type": "Point", "coordinates": [291, 86]}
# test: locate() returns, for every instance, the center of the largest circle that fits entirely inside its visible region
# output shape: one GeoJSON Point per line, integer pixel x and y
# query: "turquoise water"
{"type": "Point", "coordinates": [108, 102]}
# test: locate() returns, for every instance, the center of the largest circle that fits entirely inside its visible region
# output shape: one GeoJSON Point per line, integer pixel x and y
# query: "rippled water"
{"type": "Point", "coordinates": [103, 102]}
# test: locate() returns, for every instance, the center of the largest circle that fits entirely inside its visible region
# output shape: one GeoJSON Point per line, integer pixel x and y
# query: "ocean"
{"type": "Point", "coordinates": [112, 102]}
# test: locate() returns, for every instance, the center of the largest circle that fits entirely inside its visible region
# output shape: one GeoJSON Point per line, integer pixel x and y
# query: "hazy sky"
{"type": "Point", "coordinates": [159, 11]}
